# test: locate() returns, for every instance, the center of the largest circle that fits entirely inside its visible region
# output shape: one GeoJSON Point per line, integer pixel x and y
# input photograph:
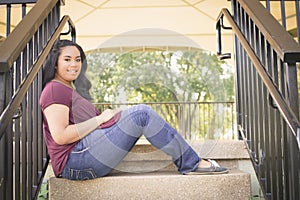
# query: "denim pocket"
{"type": "Point", "coordinates": [81, 174]}
{"type": "Point", "coordinates": [79, 147]}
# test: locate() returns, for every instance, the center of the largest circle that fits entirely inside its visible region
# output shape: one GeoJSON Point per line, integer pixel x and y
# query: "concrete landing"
{"type": "Point", "coordinates": [155, 185]}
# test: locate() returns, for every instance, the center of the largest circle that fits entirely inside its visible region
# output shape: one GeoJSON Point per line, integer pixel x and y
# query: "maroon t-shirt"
{"type": "Point", "coordinates": [80, 110]}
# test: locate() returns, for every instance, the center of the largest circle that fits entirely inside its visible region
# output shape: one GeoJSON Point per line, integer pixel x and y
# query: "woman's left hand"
{"type": "Point", "coordinates": [106, 115]}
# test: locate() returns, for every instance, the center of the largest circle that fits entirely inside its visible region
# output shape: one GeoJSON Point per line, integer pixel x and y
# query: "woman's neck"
{"type": "Point", "coordinates": [68, 84]}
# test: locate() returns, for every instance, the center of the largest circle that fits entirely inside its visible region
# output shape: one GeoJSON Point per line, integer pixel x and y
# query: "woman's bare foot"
{"type": "Point", "coordinates": [204, 164]}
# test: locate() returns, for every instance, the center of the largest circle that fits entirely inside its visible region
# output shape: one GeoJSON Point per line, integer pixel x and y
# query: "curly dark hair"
{"type": "Point", "coordinates": [82, 83]}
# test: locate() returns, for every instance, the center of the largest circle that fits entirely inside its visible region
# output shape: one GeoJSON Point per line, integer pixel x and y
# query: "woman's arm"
{"type": "Point", "coordinates": [57, 116]}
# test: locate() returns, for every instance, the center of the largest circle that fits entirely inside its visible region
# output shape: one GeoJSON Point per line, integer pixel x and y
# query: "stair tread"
{"type": "Point", "coordinates": [154, 185]}
{"type": "Point", "coordinates": [167, 174]}
{"type": "Point", "coordinates": [213, 149]}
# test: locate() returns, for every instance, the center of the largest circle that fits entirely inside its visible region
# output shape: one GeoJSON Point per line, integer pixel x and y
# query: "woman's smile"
{"type": "Point", "coordinates": [72, 71]}
{"type": "Point", "coordinates": [68, 65]}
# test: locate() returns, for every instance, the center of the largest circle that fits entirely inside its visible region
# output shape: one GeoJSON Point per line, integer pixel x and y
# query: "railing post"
{"type": "Point", "coordinates": [292, 87]}
{"type": "Point", "coordinates": [292, 91]}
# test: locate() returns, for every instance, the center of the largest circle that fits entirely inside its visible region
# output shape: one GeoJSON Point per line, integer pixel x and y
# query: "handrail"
{"type": "Point", "coordinates": [285, 110]}
{"type": "Point", "coordinates": [13, 105]}
{"type": "Point", "coordinates": [284, 44]}
{"type": "Point", "coordinates": [13, 45]}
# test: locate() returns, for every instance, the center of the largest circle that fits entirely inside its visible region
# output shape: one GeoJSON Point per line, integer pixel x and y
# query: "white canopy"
{"type": "Point", "coordinates": [122, 25]}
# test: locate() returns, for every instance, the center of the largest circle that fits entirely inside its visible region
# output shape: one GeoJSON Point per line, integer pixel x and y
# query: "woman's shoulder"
{"type": "Point", "coordinates": [55, 92]}
{"type": "Point", "coordinates": [57, 87]}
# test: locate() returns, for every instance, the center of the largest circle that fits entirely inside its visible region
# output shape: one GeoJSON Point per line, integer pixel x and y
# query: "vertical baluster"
{"type": "Point", "coordinates": [233, 120]}
{"type": "Point", "coordinates": [278, 136]}
{"type": "Point", "coordinates": [298, 19]}
{"type": "Point", "coordinates": [268, 5]}
{"type": "Point", "coordinates": [9, 131]}
{"type": "Point", "coordinates": [24, 127]}
{"type": "Point", "coordinates": [283, 16]}
{"type": "Point", "coordinates": [50, 22]}
{"type": "Point", "coordinates": [45, 38]}
{"type": "Point", "coordinates": [200, 118]}
{"type": "Point", "coordinates": [34, 117]}
{"type": "Point", "coordinates": [249, 88]}
{"type": "Point", "coordinates": [259, 100]}
{"type": "Point", "coordinates": [189, 121]}
{"type": "Point", "coordinates": [238, 77]}
{"type": "Point", "coordinates": [30, 123]}
{"type": "Point", "coordinates": [284, 128]}
{"type": "Point", "coordinates": [9, 141]}
{"type": "Point", "coordinates": [2, 139]}
{"type": "Point", "coordinates": [183, 125]}
{"type": "Point", "coordinates": [261, 159]}
{"type": "Point", "coordinates": [240, 68]}
{"type": "Point", "coordinates": [8, 19]}
{"type": "Point", "coordinates": [39, 117]}
{"type": "Point", "coordinates": [257, 86]}
{"type": "Point", "coordinates": [210, 117]}
{"type": "Point", "coordinates": [272, 130]}
{"type": "Point", "coordinates": [244, 68]}
{"type": "Point", "coordinates": [23, 121]}
{"type": "Point", "coordinates": [17, 122]}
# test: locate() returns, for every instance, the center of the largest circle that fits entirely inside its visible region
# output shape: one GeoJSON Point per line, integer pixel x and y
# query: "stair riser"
{"type": "Point", "coordinates": [162, 165]}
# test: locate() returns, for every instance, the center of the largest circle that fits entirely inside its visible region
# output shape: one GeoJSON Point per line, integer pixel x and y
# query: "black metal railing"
{"type": "Point", "coordinates": [266, 96]}
{"type": "Point", "coordinates": [23, 153]}
{"type": "Point", "coordinates": [288, 14]}
{"type": "Point", "coordinates": [194, 120]}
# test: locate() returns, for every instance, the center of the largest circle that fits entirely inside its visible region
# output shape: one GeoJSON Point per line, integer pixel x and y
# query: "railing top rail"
{"type": "Point", "coordinates": [284, 109]}
{"type": "Point", "coordinates": [282, 42]}
{"type": "Point", "coordinates": [175, 102]}
{"type": "Point", "coordinates": [12, 46]}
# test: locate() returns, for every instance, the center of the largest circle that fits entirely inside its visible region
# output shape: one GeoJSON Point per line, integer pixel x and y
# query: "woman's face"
{"type": "Point", "coordinates": [68, 64]}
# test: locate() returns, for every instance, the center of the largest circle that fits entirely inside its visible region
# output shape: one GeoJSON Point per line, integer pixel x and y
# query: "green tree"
{"type": "Point", "coordinates": [102, 74]}
{"type": "Point", "coordinates": [160, 76]}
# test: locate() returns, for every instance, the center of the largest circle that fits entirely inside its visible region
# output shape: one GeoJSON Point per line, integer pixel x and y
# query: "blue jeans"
{"type": "Point", "coordinates": [103, 149]}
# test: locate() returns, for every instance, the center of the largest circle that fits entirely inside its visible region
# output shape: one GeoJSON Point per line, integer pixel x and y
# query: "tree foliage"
{"type": "Point", "coordinates": [159, 76]}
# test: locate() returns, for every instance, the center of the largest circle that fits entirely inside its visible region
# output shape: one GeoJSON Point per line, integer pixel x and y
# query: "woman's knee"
{"type": "Point", "coordinates": [143, 107]}
{"type": "Point", "coordinates": [140, 114]}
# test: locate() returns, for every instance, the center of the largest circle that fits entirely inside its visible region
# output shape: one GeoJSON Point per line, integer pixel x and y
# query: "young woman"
{"type": "Point", "coordinates": [84, 143]}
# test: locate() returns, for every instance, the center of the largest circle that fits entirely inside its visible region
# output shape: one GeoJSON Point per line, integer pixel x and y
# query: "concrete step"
{"type": "Point", "coordinates": [154, 185]}
{"type": "Point", "coordinates": [147, 173]}
{"type": "Point", "coordinates": [146, 158]}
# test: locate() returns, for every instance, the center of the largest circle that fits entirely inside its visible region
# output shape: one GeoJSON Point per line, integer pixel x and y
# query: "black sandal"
{"type": "Point", "coordinates": [214, 168]}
